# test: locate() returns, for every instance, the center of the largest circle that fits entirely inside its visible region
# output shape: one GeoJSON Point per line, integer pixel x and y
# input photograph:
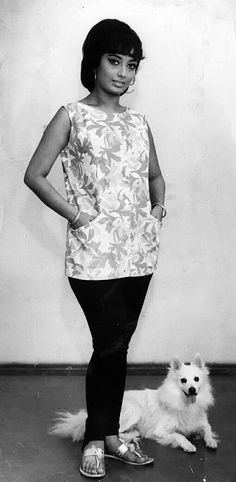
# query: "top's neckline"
{"type": "Point", "coordinates": [103, 111]}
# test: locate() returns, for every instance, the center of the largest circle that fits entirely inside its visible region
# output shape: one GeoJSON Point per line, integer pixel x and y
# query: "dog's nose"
{"type": "Point", "coordinates": [192, 391]}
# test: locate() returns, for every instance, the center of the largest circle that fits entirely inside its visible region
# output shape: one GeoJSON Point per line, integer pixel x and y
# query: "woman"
{"type": "Point", "coordinates": [114, 207]}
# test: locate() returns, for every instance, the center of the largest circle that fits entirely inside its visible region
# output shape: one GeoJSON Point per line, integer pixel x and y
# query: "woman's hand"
{"type": "Point", "coordinates": [83, 220]}
{"type": "Point", "coordinates": [157, 213]}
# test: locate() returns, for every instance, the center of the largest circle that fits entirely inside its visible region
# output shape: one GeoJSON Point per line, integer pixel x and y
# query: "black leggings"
{"type": "Point", "coordinates": [112, 308]}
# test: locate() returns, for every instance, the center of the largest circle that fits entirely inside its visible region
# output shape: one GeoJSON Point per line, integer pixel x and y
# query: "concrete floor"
{"type": "Point", "coordinates": [28, 454]}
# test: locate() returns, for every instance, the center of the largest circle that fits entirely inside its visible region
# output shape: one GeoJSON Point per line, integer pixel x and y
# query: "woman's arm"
{"type": "Point", "coordinates": [54, 139]}
{"type": "Point", "coordinates": [156, 181]}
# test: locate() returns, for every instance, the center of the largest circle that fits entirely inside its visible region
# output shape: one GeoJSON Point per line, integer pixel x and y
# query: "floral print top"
{"type": "Point", "coordinates": [105, 165]}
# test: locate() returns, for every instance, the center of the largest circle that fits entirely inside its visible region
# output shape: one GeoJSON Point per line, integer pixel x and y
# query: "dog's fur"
{"type": "Point", "coordinates": [177, 409]}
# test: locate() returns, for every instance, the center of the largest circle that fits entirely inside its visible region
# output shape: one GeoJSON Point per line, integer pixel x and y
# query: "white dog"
{"type": "Point", "coordinates": [177, 409]}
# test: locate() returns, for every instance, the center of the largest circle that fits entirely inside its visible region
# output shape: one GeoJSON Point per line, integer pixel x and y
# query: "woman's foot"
{"type": "Point", "coordinates": [92, 464]}
{"type": "Point", "coordinates": [128, 452]}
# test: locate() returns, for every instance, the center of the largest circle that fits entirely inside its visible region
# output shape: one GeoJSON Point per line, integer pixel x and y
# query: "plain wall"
{"type": "Point", "coordinates": [186, 88]}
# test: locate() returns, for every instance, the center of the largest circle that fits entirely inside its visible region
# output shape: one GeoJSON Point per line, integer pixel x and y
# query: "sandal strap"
{"type": "Point", "coordinates": [96, 451]}
{"type": "Point", "coordinates": [136, 453]}
{"type": "Point", "coordinates": [134, 447]}
{"type": "Point", "coordinates": [122, 449]}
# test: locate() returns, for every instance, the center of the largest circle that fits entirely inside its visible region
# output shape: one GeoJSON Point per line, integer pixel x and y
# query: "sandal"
{"type": "Point", "coordinates": [99, 455]}
{"type": "Point", "coordinates": [132, 447]}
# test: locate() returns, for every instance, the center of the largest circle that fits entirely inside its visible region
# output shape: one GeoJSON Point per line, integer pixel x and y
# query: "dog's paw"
{"type": "Point", "coordinates": [211, 443]}
{"type": "Point", "coordinates": [188, 447]}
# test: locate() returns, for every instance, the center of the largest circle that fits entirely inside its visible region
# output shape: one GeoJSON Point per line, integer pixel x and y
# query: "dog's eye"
{"type": "Point", "coordinates": [183, 380]}
{"type": "Point", "coordinates": [196, 379]}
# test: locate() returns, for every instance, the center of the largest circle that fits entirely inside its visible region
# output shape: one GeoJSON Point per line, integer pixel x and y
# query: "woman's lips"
{"type": "Point", "coordinates": [118, 83]}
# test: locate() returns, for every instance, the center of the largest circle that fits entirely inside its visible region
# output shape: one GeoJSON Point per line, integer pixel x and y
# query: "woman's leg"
{"type": "Point", "coordinates": [134, 291]}
{"type": "Point", "coordinates": [105, 311]}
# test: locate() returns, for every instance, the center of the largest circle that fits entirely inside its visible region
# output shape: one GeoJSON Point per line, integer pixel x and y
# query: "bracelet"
{"type": "Point", "coordinates": [162, 207]}
{"type": "Point", "coordinates": [76, 218]}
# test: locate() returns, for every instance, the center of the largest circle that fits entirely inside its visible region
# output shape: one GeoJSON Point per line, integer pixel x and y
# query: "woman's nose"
{"type": "Point", "coordinates": [122, 71]}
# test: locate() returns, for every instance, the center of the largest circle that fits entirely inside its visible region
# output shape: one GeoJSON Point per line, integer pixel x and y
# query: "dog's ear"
{"type": "Point", "coordinates": [176, 363]}
{"type": "Point", "coordinates": [198, 361]}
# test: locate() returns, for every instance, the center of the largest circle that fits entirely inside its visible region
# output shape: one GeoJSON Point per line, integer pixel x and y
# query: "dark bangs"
{"type": "Point", "coordinates": [125, 45]}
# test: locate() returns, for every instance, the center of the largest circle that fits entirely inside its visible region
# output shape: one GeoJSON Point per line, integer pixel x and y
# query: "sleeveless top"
{"type": "Point", "coordinates": [105, 166]}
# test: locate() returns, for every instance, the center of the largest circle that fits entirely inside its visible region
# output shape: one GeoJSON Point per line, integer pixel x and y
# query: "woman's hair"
{"type": "Point", "coordinates": [107, 36]}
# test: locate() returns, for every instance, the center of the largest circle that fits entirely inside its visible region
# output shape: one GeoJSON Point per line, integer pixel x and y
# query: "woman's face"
{"type": "Point", "coordinates": [115, 73]}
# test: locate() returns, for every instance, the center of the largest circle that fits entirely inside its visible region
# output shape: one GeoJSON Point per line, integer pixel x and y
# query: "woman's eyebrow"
{"type": "Point", "coordinates": [120, 57]}
{"type": "Point", "coordinates": [115, 55]}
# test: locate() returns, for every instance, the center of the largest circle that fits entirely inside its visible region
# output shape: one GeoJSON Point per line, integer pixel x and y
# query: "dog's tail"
{"type": "Point", "coordinates": [68, 425]}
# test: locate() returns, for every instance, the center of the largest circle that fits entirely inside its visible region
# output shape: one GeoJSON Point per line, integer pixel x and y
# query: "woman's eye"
{"type": "Point", "coordinates": [113, 61]}
{"type": "Point", "coordinates": [132, 66]}
{"type": "Point", "coordinates": [183, 380]}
